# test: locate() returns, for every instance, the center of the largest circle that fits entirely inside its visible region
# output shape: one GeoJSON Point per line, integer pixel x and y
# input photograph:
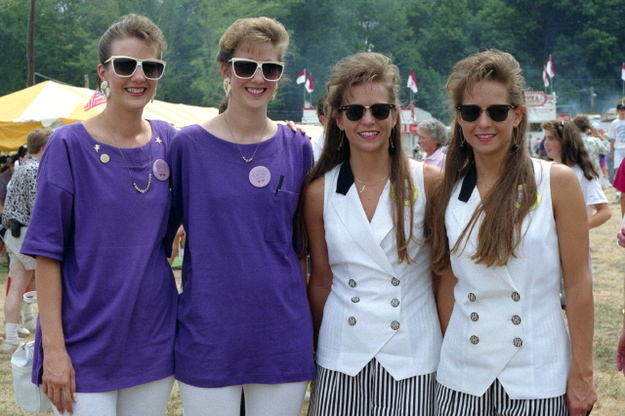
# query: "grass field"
{"type": "Point", "coordinates": [609, 269]}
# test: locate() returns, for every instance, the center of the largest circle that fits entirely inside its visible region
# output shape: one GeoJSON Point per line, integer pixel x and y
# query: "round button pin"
{"type": "Point", "coordinates": [160, 169]}
{"type": "Point", "coordinates": [259, 176]}
{"type": "Point", "coordinates": [104, 158]}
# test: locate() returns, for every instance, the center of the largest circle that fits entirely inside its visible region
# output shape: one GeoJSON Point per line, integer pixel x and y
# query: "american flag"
{"type": "Point", "coordinates": [96, 99]}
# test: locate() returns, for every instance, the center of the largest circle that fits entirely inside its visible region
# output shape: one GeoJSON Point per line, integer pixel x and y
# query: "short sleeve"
{"type": "Point", "coordinates": [50, 226]}
{"type": "Point", "coordinates": [593, 194]}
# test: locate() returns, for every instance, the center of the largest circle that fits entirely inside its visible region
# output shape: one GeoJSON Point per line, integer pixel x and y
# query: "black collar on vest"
{"type": "Point", "coordinates": [346, 178]}
{"type": "Point", "coordinates": [468, 184]}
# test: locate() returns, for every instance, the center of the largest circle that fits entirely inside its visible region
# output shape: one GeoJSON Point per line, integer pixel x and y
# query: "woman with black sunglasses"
{"type": "Point", "coordinates": [107, 296]}
{"type": "Point", "coordinates": [370, 289]}
{"type": "Point", "coordinates": [244, 323]}
{"type": "Point", "coordinates": [504, 229]}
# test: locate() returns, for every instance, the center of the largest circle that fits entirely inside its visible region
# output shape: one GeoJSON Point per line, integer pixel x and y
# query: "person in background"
{"type": "Point", "coordinates": [595, 144]}
{"type": "Point", "coordinates": [564, 144]}
{"type": "Point", "coordinates": [317, 142]}
{"type": "Point", "coordinates": [503, 229]}
{"type": "Point", "coordinates": [106, 293]}
{"type": "Point", "coordinates": [244, 323]}
{"type": "Point", "coordinates": [370, 289]}
{"type": "Point", "coordinates": [18, 207]}
{"type": "Point", "coordinates": [432, 137]}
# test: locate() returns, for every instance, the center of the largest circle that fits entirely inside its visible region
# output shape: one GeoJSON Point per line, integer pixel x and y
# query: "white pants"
{"type": "Point", "coordinates": [149, 399]}
{"type": "Point", "coordinates": [260, 399]}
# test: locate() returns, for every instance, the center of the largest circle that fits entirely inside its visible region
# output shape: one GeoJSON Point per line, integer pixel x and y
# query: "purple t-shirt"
{"type": "Point", "coordinates": [243, 315]}
{"type": "Point", "coordinates": [119, 294]}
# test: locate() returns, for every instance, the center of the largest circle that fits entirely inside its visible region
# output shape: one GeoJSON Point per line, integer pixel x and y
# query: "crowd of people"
{"type": "Point", "coordinates": [400, 287]}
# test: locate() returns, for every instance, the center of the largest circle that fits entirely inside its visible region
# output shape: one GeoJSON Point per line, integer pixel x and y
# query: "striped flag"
{"type": "Point", "coordinates": [96, 99]}
{"type": "Point", "coordinates": [412, 82]}
{"type": "Point", "coordinates": [550, 68]}
{"type": "Point", "coordinates": [623, 72]}
{"type": "Point", "coordinates": [309, 85]}
{"type": "Point", "coordinates": [301, 77]}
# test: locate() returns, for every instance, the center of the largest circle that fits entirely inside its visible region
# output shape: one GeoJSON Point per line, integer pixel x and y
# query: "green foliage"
{"type": "Point", "coordinates": [427, 36]}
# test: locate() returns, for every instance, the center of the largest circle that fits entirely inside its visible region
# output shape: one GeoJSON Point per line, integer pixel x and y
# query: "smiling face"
{"type": "Point", "coordinates": [256, 92]}
{"type": "Point", "coordinates": [367, 134]}
{"type": "Point", "coordinates": [132, 92]}
{"type": "Point", "coordinates": [553, 146]}
{"type": "Point", "coordinates": [485, 136]}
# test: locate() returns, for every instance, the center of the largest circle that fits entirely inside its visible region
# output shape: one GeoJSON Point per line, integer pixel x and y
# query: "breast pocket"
{"type": "Point", "coordinates": [279, 226]}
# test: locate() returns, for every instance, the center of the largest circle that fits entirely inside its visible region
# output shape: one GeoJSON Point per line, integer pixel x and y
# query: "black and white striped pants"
{"type": "Point", "coordinates": [495, 402]}
{"type": "Point", "coordinates": [371, 392]}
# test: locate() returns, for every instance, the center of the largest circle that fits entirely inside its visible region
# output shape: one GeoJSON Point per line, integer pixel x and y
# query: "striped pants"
{"type": "Point", "coordinates": [495, 402]}
{"type": "Point", "coordinates": [372, 392]}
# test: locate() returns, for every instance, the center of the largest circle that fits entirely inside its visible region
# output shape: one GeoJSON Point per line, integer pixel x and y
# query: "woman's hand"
{"type": "Point", "coordinates": [581, 394]}
{"type": "Point", "coordinates": [620, 351]}
{"type": "Point", "coordinates": [59, 380]}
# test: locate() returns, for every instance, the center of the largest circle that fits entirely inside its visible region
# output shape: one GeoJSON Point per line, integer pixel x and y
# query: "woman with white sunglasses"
{"type": "Point", "coordinates": [107, 297]}
{"type": "Point", "coordinates": [243, 319]}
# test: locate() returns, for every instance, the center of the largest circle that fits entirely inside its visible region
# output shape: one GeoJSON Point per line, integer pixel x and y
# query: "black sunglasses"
{"type": "Point", "coordinates": [355, 112]}
{"type": "Point", "coordinates": [126, 66]}
{"type": "Point", "coordinates": [497, 112]}
{"type": "Point", "coordinates": [246, 68]}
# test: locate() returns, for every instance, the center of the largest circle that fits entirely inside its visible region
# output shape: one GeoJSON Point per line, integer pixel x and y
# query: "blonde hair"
{"type": "Point", "coordinates": [253, 29]}
{"type": "Point", "coordinates": [356, 70]}
{"type": "Point", "coordinates": [131, 26]}
{"type": "Point", "coordinates": [510, 199]}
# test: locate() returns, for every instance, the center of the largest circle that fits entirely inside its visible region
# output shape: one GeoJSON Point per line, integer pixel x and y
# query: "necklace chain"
{"type": "Point", "coordinates": [134, 184]}
{"type": "Point", "coordinates": [245, 159]}
{"type": "Point", "coordinates": [364, 185]}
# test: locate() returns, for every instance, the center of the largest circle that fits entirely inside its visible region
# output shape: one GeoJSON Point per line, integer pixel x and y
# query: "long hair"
{"type": "Point", "coordinates": [502, 211]}
{"type": "Point", "coordinates": [356, 70]}
{"type": "Point", "coordinates": [573, 151]}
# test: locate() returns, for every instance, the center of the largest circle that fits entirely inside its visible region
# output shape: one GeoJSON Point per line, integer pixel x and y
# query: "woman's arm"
{"type": "Point", "coordinates": [59, 381]}
{"type": "Point", "coordinates": [600, 215]}
{"type": "Point", "coordinates": [569, 209]}
{"type": "Point", "coordinates": [320, 281]}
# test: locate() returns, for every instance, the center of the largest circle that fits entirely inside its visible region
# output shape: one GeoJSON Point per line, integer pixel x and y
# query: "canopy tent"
{"type": "Point", "coordinates": [50, 104]}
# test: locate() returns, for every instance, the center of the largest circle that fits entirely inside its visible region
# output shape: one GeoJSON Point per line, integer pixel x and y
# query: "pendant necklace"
{"type": "Point", "coordinates": [134, 184]}
{"type": "Point", "coordinates": [364, 185]}
{"type": "Point", "coordinates": [245, 159]}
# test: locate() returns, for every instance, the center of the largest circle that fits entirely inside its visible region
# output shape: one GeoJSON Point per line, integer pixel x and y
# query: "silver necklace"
{"type": "Point", "coordinates": [245, 159]}
{"type": "Point", "coordinates": [134, 184]}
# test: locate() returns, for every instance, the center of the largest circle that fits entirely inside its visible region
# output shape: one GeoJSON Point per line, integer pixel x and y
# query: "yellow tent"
{"type": "Point", "coordinates": [50, 104]}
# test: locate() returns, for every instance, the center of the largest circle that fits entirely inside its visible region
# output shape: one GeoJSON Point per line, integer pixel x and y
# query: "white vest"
{"type": "Point", "coordinates": [507, 322]}
{"type": "Point", "coordinates": [377, 307]}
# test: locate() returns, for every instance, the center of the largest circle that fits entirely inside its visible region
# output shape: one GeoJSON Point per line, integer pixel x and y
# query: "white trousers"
{"type": "Point", "coordinates": [149, 399]}
{"type": "Point", "coordinates": [260, 399]}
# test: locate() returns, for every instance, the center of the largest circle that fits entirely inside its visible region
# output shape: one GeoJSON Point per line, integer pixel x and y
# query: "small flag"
{"type": "Point", "coordinates": [96, 99]}
{"type": "Point", "coordinates": [309, 85]}
{"type": "Point", "coordinates": [412, 82]}
{"type": "Point", "coordinates": [545, 77]}
{"type": "Point", "coordinates": [301, 77]}
{"type": "Point", "coordinates": [550, 68]}
{"type": "Point", "coordinates": [623, 72]}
